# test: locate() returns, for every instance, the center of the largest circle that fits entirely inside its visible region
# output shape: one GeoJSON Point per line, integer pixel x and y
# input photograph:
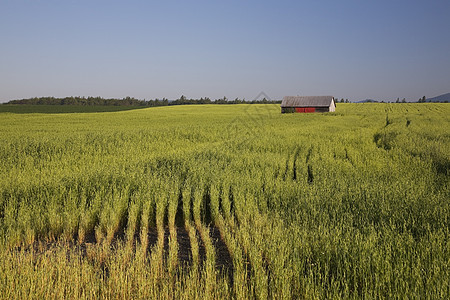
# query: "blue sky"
{"type": "Point", "coordinates": [154, 49]}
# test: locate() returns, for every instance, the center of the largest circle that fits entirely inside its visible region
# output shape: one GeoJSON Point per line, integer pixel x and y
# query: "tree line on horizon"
{"type": "Point", "coordinates": [130, 101]}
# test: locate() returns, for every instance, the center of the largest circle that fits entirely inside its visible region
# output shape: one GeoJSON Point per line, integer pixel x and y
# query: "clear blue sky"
{"type": "Point", "coordinates": [154, 49]}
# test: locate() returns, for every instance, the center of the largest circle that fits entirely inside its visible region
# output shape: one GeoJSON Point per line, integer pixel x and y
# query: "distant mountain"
{"type": "Point", "coordinates": [367, 101]}
{"type": "Point", "coordinates": [441, 98]}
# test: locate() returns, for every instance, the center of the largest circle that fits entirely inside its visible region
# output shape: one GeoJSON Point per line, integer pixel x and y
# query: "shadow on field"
{"type": "Point", "coordinates": [91, 249]}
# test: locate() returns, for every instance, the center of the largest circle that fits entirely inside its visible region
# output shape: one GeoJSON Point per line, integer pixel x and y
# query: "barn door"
{"type": "Point", "coordinates": [305, 109]}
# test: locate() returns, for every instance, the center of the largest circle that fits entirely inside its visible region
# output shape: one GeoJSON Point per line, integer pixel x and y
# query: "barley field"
{"type": "Point", "coordinates": [226, 202]}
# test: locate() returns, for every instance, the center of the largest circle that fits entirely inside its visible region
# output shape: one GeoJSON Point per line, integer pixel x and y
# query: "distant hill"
{"type": "Point", "coordinates": [441, 98]}
{"type": "Point", "coordinates": [367, 101]}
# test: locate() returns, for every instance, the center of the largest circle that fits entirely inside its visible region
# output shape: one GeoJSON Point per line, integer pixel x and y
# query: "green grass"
{"type": "Point", "coordinates": [352, 204]}
{"type": "Point", "coordinates": [61, 109]}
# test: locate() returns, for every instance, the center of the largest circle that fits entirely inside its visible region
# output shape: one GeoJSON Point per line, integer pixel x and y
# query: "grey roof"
{"type": "Point", "coordinates": [306, 101]}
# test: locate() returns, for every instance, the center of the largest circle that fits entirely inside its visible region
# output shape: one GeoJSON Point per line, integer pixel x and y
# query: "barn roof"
{"type": "Point", "coordinates": [307, 101]}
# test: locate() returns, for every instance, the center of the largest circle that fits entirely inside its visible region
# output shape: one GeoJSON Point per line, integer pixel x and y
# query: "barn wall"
{"type": "Point", "coordinates": [287, 110]}
{"type": "Point", "coordinates": [305, 109]}
{"type": "Point", "coordinates": [322, 109]}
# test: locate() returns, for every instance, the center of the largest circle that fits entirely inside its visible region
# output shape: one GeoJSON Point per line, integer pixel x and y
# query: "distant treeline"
{"type": "Point", "coordinates": [129, 101]}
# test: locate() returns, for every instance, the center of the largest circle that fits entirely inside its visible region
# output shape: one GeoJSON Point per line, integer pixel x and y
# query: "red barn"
{"type": "Point", "coordinates": [307, 104]}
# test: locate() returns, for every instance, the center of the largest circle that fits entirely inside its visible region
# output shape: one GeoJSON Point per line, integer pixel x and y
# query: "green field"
{"type": "Point", "coordinates": [235, 201]}
{"type": "Point", "coordinates": [61, 109]}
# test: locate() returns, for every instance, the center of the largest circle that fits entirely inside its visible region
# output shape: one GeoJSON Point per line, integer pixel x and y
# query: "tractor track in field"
{"type": "Point", "coordinates": [223, 263]}
{"type": "Point", "coordinates": [99, 250]}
